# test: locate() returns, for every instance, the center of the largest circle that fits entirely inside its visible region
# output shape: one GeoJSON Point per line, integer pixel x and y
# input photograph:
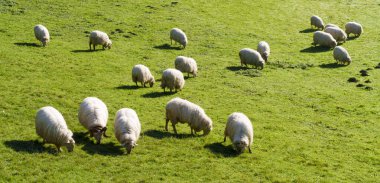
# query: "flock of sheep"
{"type": "Point", "coordinates": [93, 113]}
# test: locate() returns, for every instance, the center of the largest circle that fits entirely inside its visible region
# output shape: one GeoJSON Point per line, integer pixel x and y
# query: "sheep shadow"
{"type": "Point", "coordinates": [29, 146]}
{"type": "Point", "coordinates": [308, 30]}
{"type": "Point", "coordinates": [315, 49]}
{"type": "Point", "coordinates": [352, 38]}
{"type": "Point", "coordinates": [219, 148]}
{"type": "Point", "coordinates": [82, 138]}
{"type": "Point", "coordinates": [157, 134]}
{"type": "Point", "coordinates": [157, 94]}
{"type": "Point", "coordinates": [28, 44]}
{"type": "Point", "coordinates": [89, 145]}
{"type": "Point", "coordinates": [166, 46]}
{"type": "Point", "coordinates": [236, 68]}
{"type": "Point", "coordinates": [127, 87]}
{"type": "Point", "coordinates": [331, 66]}
{"type": "Point", "coordinates": [85, 51]}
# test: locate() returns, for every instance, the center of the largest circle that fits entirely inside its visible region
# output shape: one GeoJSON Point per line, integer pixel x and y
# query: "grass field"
{"type": "Point", "coordinates": [310, 124]}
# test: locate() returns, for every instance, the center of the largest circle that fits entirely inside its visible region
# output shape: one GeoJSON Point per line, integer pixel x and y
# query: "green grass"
{"type": "Point", "coordinates": [310, 124]}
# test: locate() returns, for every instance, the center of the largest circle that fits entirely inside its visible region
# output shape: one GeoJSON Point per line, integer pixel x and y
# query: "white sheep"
{"type": "Point", "coordinates": [251, 57]}
{"type": "Point", "coordinates": [141, 73]}
{"type": "Point", "coordinates": [127, 128]}
{"type": "Point", "coordinates": [93, 115]}
{"type": "Point", "coordinates": [240, 131]}
{"type": "Point", "coordinates": [317, 22]}
{"type": "Point", "coordinates": [338, 34]}
{"type": "Point", "coordinates": [355, 28]}
{"type": "Point", "coordinates": [330, 25]}
{"type": "Point", "coordinates": [264, 49]}
{"type": "Point", "coordinates": [172, 79]}
{"type": "Point", "coordinates": [186, 64]}
{"type": "Point", "coordinates": [99, 38]}
{"type": "Point", "coordinates": [178, 36]}
{"type": "Point", "coordinates": [341, 55]}
{"type": "Point", "coordinates": [51, 126]}
{"type": "Point", "coordinates": [183, 111]}
{"type": "Point", "coordinates": [42, 34]}
{"type": "Point", "coordinates": [323, 39]}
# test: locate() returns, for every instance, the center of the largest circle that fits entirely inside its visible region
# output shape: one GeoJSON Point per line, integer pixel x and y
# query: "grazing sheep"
{"type": "Point", "coordinates": [93, 114]}
{"type": "Point", "coordinates": [141, 73]}
{"type": "Point", "coordinates": [264, 49]}
{"type": "Point", "coordinates": [338, 34]}
{"type": "Point", "coordinates": [42, 34]}
{"type": "Point", "coordinates": [355, 28]}
{"type": "Point", "coordinates": [330, 25]}
{"type": "Point", "coordinates": [186, 64]}
{"type": "Point", "coordinates": [239, 129]}
{"type": "Point", "coordinates": [317, 22]}
{"type": "Point", "coordinates": [323, 39]}
{"type": "Point", "coordinates": [51, 126]}
{"type": "Point", "coordinates": [100, 38]}
{"type": "Point", "coordinates": [183, 111]}
{"type": "Point", "coordinates": [341, 55]}
{"type": "Point", "coordinates": [127, 128]}
{"type": "Point", "coordinates": [172, 79]}
{"type": "Point", "coordinates": [178, 36]}
{"type": "Point", "coordinates": [251, 57]}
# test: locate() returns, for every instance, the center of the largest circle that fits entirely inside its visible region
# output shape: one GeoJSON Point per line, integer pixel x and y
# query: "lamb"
{"type": "Point", "coordinates": [141, 73]}
{"type": "Point", "coordinates": [51, 126]}
{"type": "Point", "coordinates": [323, 39]}
{"type": "Point", "coordinates": [264, 50]}
{"type": "Point", "coordinates": [338, 34]}
{"type": "Point", "coordinates": [178, 36]}
{"type": "Point", "coordinates": [252, 57]}
{"type": "Point", "coordinates": [341, 55]}
{"type": "Point", "coordinates": [172, 79]}
{"type": "Point", "coordinates": [127, 128]}
{"type": "Point", "coordinates": [186, 64]}
{"type": "Point", "coordinates": [317, 22]}
{"type": "Point", "coordinates": [331, 25]}
{"type": "Point", "coordinates": [100, 38]}
{"type": "Point", "coordinates": [42, 34]}
{"type": "Point", "coordinates": [355, 28]}
{"type": "Point", "coordinates": [240, 131]}
{"type": "Point", "coordinates": [183, 111]}
{"type": "Point", "coordinates": [93, 115]}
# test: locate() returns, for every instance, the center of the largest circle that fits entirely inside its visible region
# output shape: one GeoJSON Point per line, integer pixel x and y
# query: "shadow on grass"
{"type": "Point", "coordinates": [107, 149]}
{"type": "Point", "coordinates": [315, 49]}
{"type": "Point", "coordinates": [331, 66]}
{"type": "Point", "coordinates": [352, 38]}
{"type": "Point", "coordinates": [157, 94]}
{"type": "Point", "coordinates": [28, 44]}
{"type": "Point", "coordinates": [157, 134]}
{"type": "Point", "coordinates": [127, 87]}
{"type": "Point", "coordinates": [308, 30]}
{"type": "Point", "coordinates": [219, 148]}
{"type": "Point", "coordinates": [236, 68]}
{"type": "Point", "coordinates": [29, 146]}
{"type": "Point", "coordinates": [85, 51]}
{"type": "Point", "coordinates": [166, 47]}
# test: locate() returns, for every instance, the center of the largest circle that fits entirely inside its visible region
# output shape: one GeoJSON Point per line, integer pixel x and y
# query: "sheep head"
{"type": "Point", "coordinates": [70, 144]}
{"type": "Point", "coordinates": [129, 145]}
{"type": "Point", "coordinates": [240, 146]}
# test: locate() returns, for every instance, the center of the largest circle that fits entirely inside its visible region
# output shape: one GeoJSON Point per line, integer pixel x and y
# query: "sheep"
{"type": "Point", "coordinates": [338, 34]}
{"type": "Point", "coordinates": [330, 25]}
{"type": "Point", "coordinates": [127, 128]}
{"type": "Point", "coordinates": [183, 111]}
{"type": "Point", "coordinates": [100, 38]}
{"type": "Point", "coordinates": [341, 55]}
{"type": "Point", "coordinates": [252, 57]}
{"type": "Point", "coordinates": [42, 34]}
{"type": "Point", "coordinates": [186, 64]}
{"type": "Point", "coordinates": [172, 79]}
{"type": "Point", "coordinates": [178, 36]}
{"type": "Point", "coordinates": [264, 49]}
{"type": "Point", "coordinates": [141, 73]}
{"type": "Point", "coordinates": [355, 28]}
{"type": "Point", "coordinates": [240, 131]}
{"type": "Point", "coordinates": [51, 126]}
{"type": "Point", "coordinates": [317, 22]}
{"type": "Point", "coordinates": [323, 39]}
{"type": "Point", "coordinates": [93, 115]}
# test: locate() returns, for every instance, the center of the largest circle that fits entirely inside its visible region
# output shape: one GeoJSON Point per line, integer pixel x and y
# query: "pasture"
{"type": "Point", "coordinates": [310, 123]}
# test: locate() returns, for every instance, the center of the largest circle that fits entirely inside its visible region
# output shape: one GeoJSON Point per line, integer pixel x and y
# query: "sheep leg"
{"type": "Point", "coordinates": [188, 76]}
{"type": "Point", "coordinates": [90, 45]}
{"type": "Point", "coordinates": [249, 149]}
{"type": "Point", "coordinates": [191, 131]}
{"type": "Point", "coordinates": [171, 41]}
{"type": "Point", "coordinates": [224, 139]}
{"type": "Point", "coordinates": [175, 130]}
{"type": "Point", "coordinates": [58, 148]}
{"type": "Point", "coordinates": [136, 83]}
{"type": "Point", "coordinates": [143, 84]}
{"type": "Point", "coordinates": [166, 125]}
{"type": "Point", "coordinates": [93, 46]}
